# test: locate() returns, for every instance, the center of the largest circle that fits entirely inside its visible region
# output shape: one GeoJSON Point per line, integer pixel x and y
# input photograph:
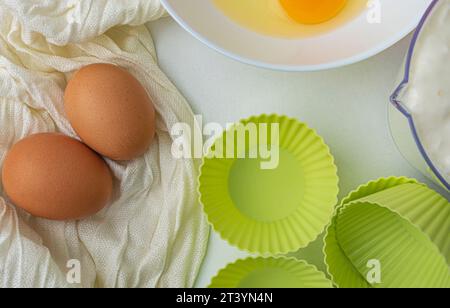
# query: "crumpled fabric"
{"type": "Point", "coordinates": [154, 233]}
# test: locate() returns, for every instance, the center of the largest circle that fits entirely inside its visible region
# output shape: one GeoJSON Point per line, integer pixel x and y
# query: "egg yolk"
{"type": "Point", "coordinates": [312, 11]}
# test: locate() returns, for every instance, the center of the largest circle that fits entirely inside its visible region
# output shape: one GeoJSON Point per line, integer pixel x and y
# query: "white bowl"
{"type": "Point", "coordinates": [353, 42]}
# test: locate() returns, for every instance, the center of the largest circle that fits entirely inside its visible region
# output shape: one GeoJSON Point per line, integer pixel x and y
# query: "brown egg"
{"type": "Point", "coordinates": [56, 177]}
{"type": "Point", "coordinates": [110, 111]}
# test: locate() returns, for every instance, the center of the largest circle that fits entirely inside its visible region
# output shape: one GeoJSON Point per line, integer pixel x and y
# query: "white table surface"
{"type": "Point", "coordinates": [347, 106]}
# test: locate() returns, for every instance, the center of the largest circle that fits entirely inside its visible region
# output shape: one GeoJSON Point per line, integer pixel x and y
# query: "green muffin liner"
{"type": "Point", "coordinates": [263, 273]}
{"type": "Point", "coordinates": [400, 223]}
{"type": "Point", "coordinates": [270, 211]}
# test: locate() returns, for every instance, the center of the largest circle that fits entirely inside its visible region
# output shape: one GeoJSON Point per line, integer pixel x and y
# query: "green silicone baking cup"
{"type": "Point", "coordinates": [402, 225]}
{"type": "Point", "coordinates": [261, 273]}
{"type": "Point", "coordinates": [272, 211]}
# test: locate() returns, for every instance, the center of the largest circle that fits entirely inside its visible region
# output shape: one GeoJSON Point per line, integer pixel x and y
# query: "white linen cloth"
{"type": "Point", "coordinates": [154, 234]}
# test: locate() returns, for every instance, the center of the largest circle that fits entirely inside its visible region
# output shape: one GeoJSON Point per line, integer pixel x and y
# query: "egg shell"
{"type": "Point", "coordinates": [56, 177]}
{"type": "Point", "coordinates": [111, 111]}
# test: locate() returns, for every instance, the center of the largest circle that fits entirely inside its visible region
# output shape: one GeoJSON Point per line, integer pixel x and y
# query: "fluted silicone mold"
{"type": "Point", "coordinates": [271, 211]}
{"type": "Point", "coordinates": [398, 222]}
{"type": "Point", "coordinates": [270, 273]}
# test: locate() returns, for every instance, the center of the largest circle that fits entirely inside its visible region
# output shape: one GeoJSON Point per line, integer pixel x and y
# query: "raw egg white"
{"type": "Point", "coordinates": [291, 18]}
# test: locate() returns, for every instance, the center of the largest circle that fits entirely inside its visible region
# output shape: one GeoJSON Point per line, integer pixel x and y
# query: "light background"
{"type": "Point", "coordinates": [347, 106]}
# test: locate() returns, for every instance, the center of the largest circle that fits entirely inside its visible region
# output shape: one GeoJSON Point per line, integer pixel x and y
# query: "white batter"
{"type": "Point", "coordinates": [428, 93]}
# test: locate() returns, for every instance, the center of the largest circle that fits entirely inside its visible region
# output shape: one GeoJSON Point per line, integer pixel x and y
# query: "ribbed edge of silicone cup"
{"type": "Point", "coordinates": [398, 222]}
{"type": "Point", "coordinates": [278, 272]}
{"type": "Point", "coordinates": [317, 196]}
